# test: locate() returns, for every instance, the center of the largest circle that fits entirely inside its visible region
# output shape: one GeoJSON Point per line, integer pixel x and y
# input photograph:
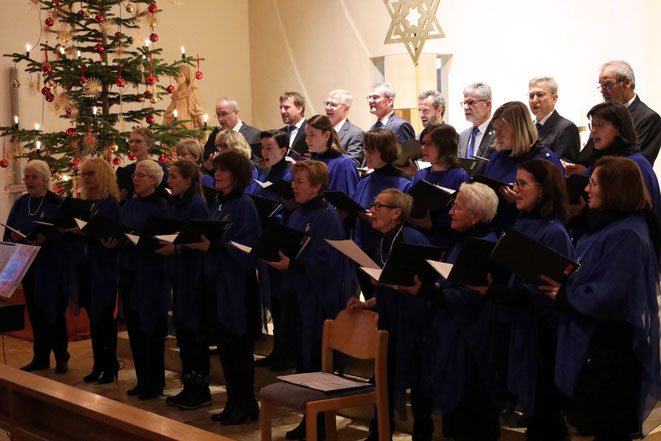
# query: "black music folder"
{"type": "Point", "coordinates": [102, 227]}
{"type": "Point", "coordinates": [473, 262]}
{"type": "Point", "coordinates": [427, 196]}
{"type": "Point", "coordinates": [410, 150]}
{"type": "Point", "coordinates": [266, 208]}
{"type": "Point", "coordinates": [494, 184]}
{"type": "Point", "coordinates": [576, 187]}
{"type": "Point", "coordinates": [407, 260]}
{"type": "Point", "coordinates": [192, 231]}
{"type": "Point", "coordinates": [530, 259]}
{"type": "Point", "coordinates": [470, 165]}
{"type": "Point", "coordinates": [281, 188]}
{"type": "Point", "coordinates": [210, 194]}
{"type": "Point", "coordinates": [276, 238]}
{"type": "Point", "coordinates": [71, 208]}
{"type": "Point", "coordinates": [344, 202]}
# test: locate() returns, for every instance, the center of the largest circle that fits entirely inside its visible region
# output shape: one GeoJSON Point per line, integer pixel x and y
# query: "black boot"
{"type": "Point", "coordinates": [97, 370]}
{"type": "Point", "coordinates": [110, 373]}
{"type": "Point", "coordinates": [298, 433]}
{"type": "Point", "coordinates": [195, 394]}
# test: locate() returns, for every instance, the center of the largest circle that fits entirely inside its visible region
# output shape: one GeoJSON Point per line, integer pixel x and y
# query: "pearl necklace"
{"type": "Point", "coordinates": [38, 208]}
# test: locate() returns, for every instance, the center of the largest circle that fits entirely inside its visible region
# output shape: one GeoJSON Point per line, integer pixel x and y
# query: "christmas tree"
{"type": "Point", "coordinates": [105, 82]}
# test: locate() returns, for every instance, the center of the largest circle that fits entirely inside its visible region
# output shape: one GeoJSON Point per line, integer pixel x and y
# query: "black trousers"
{"type": "Point", "coordinates": [283, 313]}
{"type": "Point", "coordinates": [193, 351]}
{"type": "Point", "coordinates": [236, 358]}
{"type": "Point", "coordinates": [47, 337]}
{"type": "Point", "coordinates": [104, 341]}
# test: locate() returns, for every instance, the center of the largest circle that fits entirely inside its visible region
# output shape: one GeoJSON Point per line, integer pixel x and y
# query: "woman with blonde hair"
{"type": "Point", "coordinates": [227, 140]}
{"type": "Point", "coordinates": [96, 278]}
{"type": "Point", "coordinates": [190, 149]}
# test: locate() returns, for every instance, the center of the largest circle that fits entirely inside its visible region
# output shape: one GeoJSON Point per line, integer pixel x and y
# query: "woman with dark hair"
{"type": "Point", "coordinates": [381, 149]}
{"type": "Point", "coordinates": [141, 142]}
{"type": "Point", "coordinates": [276, 168]}
{"type": "Point", "coordinates": [541, 199]}
{"type": "Point", "coordinates": [320, 277]}
{"type": "Point", "coordinates": [324, 145]}
{"type": "Point", "coordinates": [183, 270]}
{"type": "Point", "coordinates": [439, 147]}
{"type": "Point", "coordinates": [233, 280]}
{"type": "Point", "coordinates": [613, 133]}
{"type": "Point", "coordinates": [607, 358]}
{"type": "Point", "coordinates": [97, 271]}
{"type": "Point", "coordinates": [43, 284]}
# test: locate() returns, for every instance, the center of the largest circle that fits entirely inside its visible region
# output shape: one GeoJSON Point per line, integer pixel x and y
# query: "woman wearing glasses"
{"type": "Point", "coordinates": [140, 143]}
{"type": "Point", "coordinates": [192, 150]}
{"type": "Point", "coordinates": [607, 359]}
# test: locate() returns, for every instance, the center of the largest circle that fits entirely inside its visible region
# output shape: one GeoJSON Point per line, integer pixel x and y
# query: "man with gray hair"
{"type": "Point", "coordinates": [477, 140]}
{"type": "Point", "coordinates": [431, 107]}
{"type": "Point", "coordinates": [227, 112]}
{"type": "Point", "coordinates": [351, 136]}
{"type": "Point", "coordinates": [556, 133]}
{"type": "Point", "coordinates": [381, 101]}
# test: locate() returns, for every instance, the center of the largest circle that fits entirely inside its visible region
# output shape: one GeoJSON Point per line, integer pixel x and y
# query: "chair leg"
{"type": "Point", "coordinates": [310, 426]}
{"type": "Point", "coordinates": [383, 422]}
{"type": "Point", "coordinates": [331, 429]}
{"type": "Point", "coordinates": [265, 419]}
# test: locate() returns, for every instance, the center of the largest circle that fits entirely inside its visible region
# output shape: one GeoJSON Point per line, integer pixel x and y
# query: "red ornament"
{"type": "Point", "coordinates": [163, 159]}
{"type": "Point", "coordinates": [68, 111]}
{"type": "Point", "coordinates": [199, 75]}
{"type": "Point", "coordinates": [50, 97]}
{"type": "Point", "coordinates": [153, 37]}
{"type": "Point", "coordinates": [152, 8]}
{"type": "Point", "coordinates": [49, 21]}
{"type": "Point", "coordinates": [148, 94]}
{"type": "Point", "coordinates": [70, 132]}
{"type": "Point", "coordinates": [45, 90]}
{"type": "Point", "coordinates": [150, 119]}
{"type": "Point", "coordinates": [116, 161]}
{"type": "Point", "coordinates": [98, 48]}
{"type": "Point", "coordinates": [120, 82]}
{"type": "Point", "coordinates": [99, 18]}
{"type": "Point", "coordinates": [131, 156]}
{"type": "Point", "coordinates": [141, 99]}
{"type": "Point", "coordinates": [46, 68]}
{"type": "Point", "coordinates": [57, 189]}
{"type": "Point", "coordinates": [4, 163]}
{"type": "Point", "coordinates": [33, 155]}
{"type": "Point", "coordinates": [118, 34]}
{"type": "Point", "coordinates": [82, 80]}
{"type": "Point", "coordinates": [75, 163]}
{"type": "Point", "coordinates": [173, 156]}
{"type": "Point", "coordinates": [170, 88]}
{"type": "Point", "coordinates": [151, 80]}
{"type": "Point", "coordinates": [81, 12]}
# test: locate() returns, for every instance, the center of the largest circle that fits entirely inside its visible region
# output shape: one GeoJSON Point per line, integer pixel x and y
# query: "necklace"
{"type": "Point", "coordinates": [38, 207]}
{"type": "Point", "coordinates": [392, 244]}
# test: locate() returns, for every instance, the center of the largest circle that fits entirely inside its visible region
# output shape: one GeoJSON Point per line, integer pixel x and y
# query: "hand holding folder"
{"type": "Point", "coordinates": [274, 240]}
{"type": "Point", "coordinates": [281, 188]}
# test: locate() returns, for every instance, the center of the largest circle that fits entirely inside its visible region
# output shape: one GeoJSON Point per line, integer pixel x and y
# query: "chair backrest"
{"type": "Point", "coordinates": [355, 334]}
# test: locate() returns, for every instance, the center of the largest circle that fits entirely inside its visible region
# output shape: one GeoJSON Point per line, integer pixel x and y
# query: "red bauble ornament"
{"type": "Point", "coordinates": [4, 163]}
{"type": "Point", "coordinates": [199, 75]}
{"type": "Point", "coordinates": [153, 37]}
{"type": "Point", "coordinates": [49, 21]}
{"type": "Point", "coordinates": [45, 90]}
{"type": "Point", "coordinates": [116, 161]}
{"type": "Point", "coordinates": [70, 132]}
{"type": "Point", "coordinates": [81, 12]}
{"type": "Point", "coordinates": [131, 156]}
{"type": "Point", "coordinates": [151, 80]}
{"type": "Point", "coordinates": [141, 99]}
{"type": "Point", "coordinates": [120, 82]}
{"type": "Point", "coordinates": [173, 156]}
{"type": "Point", "coordinates": [163, 159]}
{"type": "Point", "coordinates": [82, 80]}
{"type": "Point", "coordinates": [99, 18]}
{"type": "Point", "coordinates": [118, 34]}
{"type": "Point", "coordinates": [150, 119]}
{"type": "Point", "coordinates": [98, 48]}
{"type": "Point", "coordinates": [68, 112]}
{"type": "Point", "coordinates": [33, 155]}
{"type": "Point", "coordinates": [50, 97]}
{"type": "Point", "coordinates": [152, 8]}
{"type": "Point", "coordinates": [148, 94]}
{"type": "Point", "coordinates": [170, 88]}
{"type": "Point", "coordinates": [46, 68]}
{"type": "Point", "coordinates": [57, 189]}
{"type": "Point", "coordinates": [75, 163]}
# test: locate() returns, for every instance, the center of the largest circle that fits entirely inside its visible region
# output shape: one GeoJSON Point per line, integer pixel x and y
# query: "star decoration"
{"type": "Point", "coordinates": [92, 88]}
{"type": "Point", "coordinates": [118, 49]}
{"type": "Point", "coordinates": [33, 84]}
{"type": "Point", "coordinates": [121, 121]}
{"type": "Point", "coordinates": [413, 23]}
{"type": "Point", "coordinates": [89, 143]}
{"type": "Point", "coordinates": [14, 150]}
{"type": "Point", "coordinates": [106, 26]}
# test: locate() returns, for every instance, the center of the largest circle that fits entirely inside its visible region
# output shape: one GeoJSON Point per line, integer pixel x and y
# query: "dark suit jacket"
{"type": "Point", "coordinates": [351, 138]}
{"type": "Point", "coordinates": [251, 134]}
{"type": "Point", "coordinates": [299, 145]}
{"type": "Point", "coordinates": [560, 135]}
{"type": "Point", "coordinates": [402, 129]}
{"type": "Point", "coordinates": [484, 150]}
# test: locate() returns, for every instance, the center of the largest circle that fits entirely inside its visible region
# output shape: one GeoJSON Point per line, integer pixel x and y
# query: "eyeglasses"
{"type": "Point", "coordinates": [378, 206]}
{"type": "Point", "coordinates": [223, 115]}
{"type": "Point", "coordinates": [608, 86]}
{"type": "Point", "coordinates": [593, 183]}
{"type": "Point", "coordinates": [222, 145]}
{"type": "Point", "coordinates": [520, 184]}
{"type": "Point", "coordinates": [374, 97]}
{"type": "Point", "coordinates": [498, 132]}
{"type": "Point", "coordinates": [426, 143]}
{"type": "Point", "coordinates": [87, 173]}
{"type": "Point", "coordinates": [469, 103]}
{"type": "Point", "coordinates": [538, 95]}
{"type": "Point", "coordinates": [139, 175]}
{"type": "Point", "coordinates": [598, 126]}
{"type": "Point", "coordinates": [332, 104]}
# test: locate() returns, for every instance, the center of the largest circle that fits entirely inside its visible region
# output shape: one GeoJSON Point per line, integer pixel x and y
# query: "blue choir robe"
{"type": "Point", "coordinates": [342, 171]}
{"type": "Point", "coordinates": [533, 315]}
{"type": "Point", "coordinates": [280, 171]}
{"type": "Point", "coordinates": [321, 277]}
{"type": "Point", "coordinates": [101, 264]}
{"type": "Point", "coordinates": [238, 280]}
{"type": "Point", "coordinates": [161, 187]}
{"type": "Point", "coordinates": [617, 281]}
{"type": "Point", "coordinates": [466, 325]}
{"type": "Point", "coordinates": [148, 296]}
{"type": "Point", "coordinates": [184, 269]}
{"type": "Point", "coordinates": [440, 235]}
{"type": "Point", "coordinates": [368, 189]}
{"type": "Point", "coordinates": [47, 276]}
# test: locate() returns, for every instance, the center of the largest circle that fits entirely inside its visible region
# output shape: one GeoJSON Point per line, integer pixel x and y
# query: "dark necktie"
{"type": "Point", "coordinates": [471, 146]}
{"type": "Point", "coordinates": [378, 124]}
{"type": "Point", "coordinates": [539, 126]}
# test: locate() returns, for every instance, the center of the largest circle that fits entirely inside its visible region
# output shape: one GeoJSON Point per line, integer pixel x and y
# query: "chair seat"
{"type": "Point", "coordinates": [296, 397]}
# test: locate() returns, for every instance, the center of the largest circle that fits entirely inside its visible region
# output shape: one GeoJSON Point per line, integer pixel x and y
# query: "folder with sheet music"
{"type": "Point", "coordinates": [344, 202]}
{"type": "Point", "coordinates": [71, 208]}
{"type": "Point", "coordinates": [103, 228]}
{"type": "Point", "coordinates": [281, 188]}
{"type": "Point", "coordinates": [494, 184]}
{"type": "Point", "coordinates": [276, 238]}
{"type": "Point", "coordinates": [472, 265]}
{"type": "Point", "coordinates": [429, 197]}
{"type": "Point", "coordinates": [192, 231]}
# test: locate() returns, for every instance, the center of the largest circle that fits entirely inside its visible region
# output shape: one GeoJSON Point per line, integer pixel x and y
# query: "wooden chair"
{"type": "Point", "coordinates": [352, 333]}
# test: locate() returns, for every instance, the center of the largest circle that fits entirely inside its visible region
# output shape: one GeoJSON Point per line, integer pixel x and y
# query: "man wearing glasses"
{"type": "Point", "coordinates": [381, 101]}
{"type": "Point", "coordinates": [476, 141]}
{"type": "Point", "coordinates": [351, 136]}
{"type": "Point", "coordinates": [556, 133]}
{"type": "Point", "coordinates": [227, 112]}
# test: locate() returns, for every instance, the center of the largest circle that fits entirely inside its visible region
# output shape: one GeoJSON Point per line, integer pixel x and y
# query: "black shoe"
{"type": "Point", "coordinates": [298, 432]}
{"type": "Point", "coordinates": [150, 394]}
{"type": "Point", "coordinates": [283, 364]}
{"type": "Point", "coordinates": [137, 390]}
{"type": "Point", "coordinates": [35, 365]}
{"type": "Point", "coordinates": [242, 413]}
{"type": "Point", "coordinates": [268, 360]}
{"type": "Point", "coordinates": [62, 367]}
{"type": "Point", "coordinates": [229, 408]}
{"type": "Point", "coordinates": [110, 374]}
{"type": "Point", "coordinates": [189, 399]}
{"type": "Point", "coordinates": [94, 375]}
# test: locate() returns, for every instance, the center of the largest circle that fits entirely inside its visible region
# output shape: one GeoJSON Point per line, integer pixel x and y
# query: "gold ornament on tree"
{"type": "Point", "coordinates": [33, 84]}
{"type": "Point", "coordinates": [15, 83]}
{"type": "Point", "coordinates": [89, 143]}
{"type": "Point", "coordinates": [92, 88]}
{"type": "Point", "coordinates": [130, 8]}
